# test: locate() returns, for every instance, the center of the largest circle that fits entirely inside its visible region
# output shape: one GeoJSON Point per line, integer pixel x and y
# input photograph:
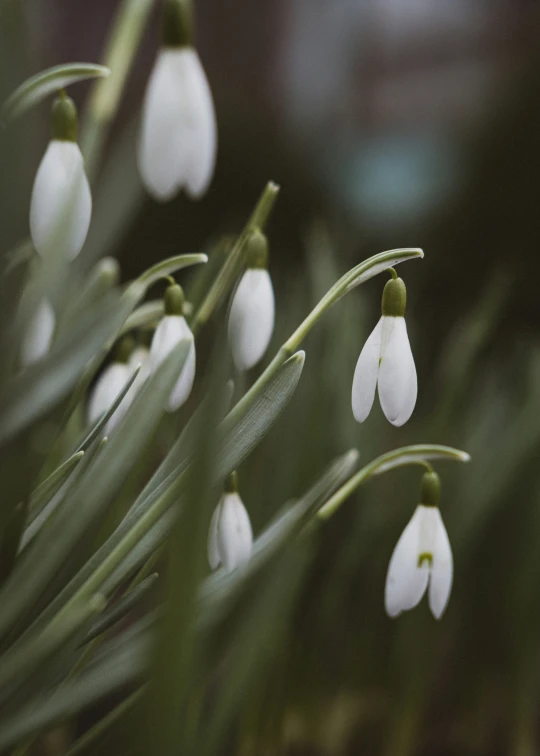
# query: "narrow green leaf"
{"type": "Point", "coordinates": [88, 742]}
{"type": "Point", "coordinates": [104, 679]}
{"type": "Point", "coordinates": [48, 488]}
{"type": "Point", "coordinates": [38, 87]}
{"type": "Point", "coordinates": [238, 439]}
{"type": "Point", "coordinates": [39, 388]}
{"type": "Point", "coordinates": [122, 607]}
{"type": "Point", "coordinates": [36, 569]}
{"type": "Point", "coordinates": [18, 664]}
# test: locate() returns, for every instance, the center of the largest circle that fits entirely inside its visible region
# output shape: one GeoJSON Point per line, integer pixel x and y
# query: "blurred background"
{"type": "Point", "coordinates": [387, 123]}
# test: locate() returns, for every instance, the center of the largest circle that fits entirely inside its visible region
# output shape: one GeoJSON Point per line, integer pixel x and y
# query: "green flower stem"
{"type": "Point", "coordinates": [233, 262]}
{"type": "Point", "coordinates": [106, 95]}
{"type": "Point", "coordinates": [354, 277]}
{"type": "Point", "coordinates": [406, 455]}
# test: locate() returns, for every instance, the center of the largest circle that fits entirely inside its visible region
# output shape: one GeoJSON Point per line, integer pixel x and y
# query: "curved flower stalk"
{"type": "Point", "coordinates": [37, 340]}
{"type": "Point", "coordinates": [61, 204]}
{"type": "Point", "coordinates": [230, 537]}
{"type": "Point", "coordinates": [422, 558]}
{"type": "Point", "coordinates": [386, 362]}
{"type": "Point", "coordinates": [109, 385]}
{"type": "Point", "coordinates": [171, 331]}
{"type": "Point", "coordinates": [178, 139]}
{"type": "Point", "coordinates": [251, 318]}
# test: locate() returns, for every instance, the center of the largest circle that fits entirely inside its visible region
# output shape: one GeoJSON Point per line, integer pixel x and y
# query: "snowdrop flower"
{"type": "Point", "coordinates": [171, 331]}
{"type": "Point", "coordinates": [251, 318]}
{"type": "Point", "coordinates": [178, 139]}
{"type": "Point", "coordinates": [61, 203]}
{"type": "Point", "coordinates": [38, 337]}
{"type": "Point", "coordinates": [386, 362]}
{"type": "Point", "coordinates": [109, 385]}
{"type": "Point", "coordinates": [422, 556]}
{"type": "Point", "coordinates": [230, 538]}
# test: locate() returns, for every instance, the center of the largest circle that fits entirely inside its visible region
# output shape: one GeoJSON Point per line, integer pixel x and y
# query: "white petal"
{"type": "Point", "coordinates": [201, 125]}
{"type": "Point", "coordinates": [37, 340]}
{"type": "Point", "coordinates": [61, 204]}
{"type": "Point", "coordinates": [406, 582]}
{"type": "Point", "coordinates": [234, 534]}
{"type": "Point", "coordinates": [365, 375]}
{"type": "Point", "coordinates": [184, 384]}
{"type": "Point", "coordinates": [251, 319]}
{"type": "Point", "coordinates": [442, 569]}
{"type": "Point", "coordinates": [177, 146]}
{"type": "Point", "coordinates": [170, 331]}
{"type": "Point", "coordinates": [109, 384]}
{"type": "Point", "coordinates": [397, 375]}
{"type": "Point", "coordinates": [212, 547]}
{"type": "Point", "coordinates": [166, 336]}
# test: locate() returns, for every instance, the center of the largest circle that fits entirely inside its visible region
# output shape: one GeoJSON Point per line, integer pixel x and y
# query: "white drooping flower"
{"type": "Point", "coordinates": [61, 204]}
{"type": "Point", "coordinates": [37, 340]}
{"type": "Point", "coordinates": [251, 317]}
{"type": "Point", "coordinates": [386, 362]}
{"type": "Point", "coordinates": [178, 139]}
{"type": "Point", "coordinates": [109, 385]}
{"type": "Point", "coordinates": [171, 330]}
{"type": "Point", "coordinates": [230, 538]}
{"type": "Point", "coordinates": [422, 558]}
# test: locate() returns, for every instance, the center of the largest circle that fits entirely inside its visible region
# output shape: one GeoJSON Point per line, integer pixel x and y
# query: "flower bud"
{"type": "Point", "coordinates": [61, 204]}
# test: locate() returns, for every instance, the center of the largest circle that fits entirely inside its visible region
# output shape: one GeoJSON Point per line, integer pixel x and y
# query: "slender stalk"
{"type": "Point", "coordinates": [122, 45]}
{"type": "Point", "coordinates": [406, 455]}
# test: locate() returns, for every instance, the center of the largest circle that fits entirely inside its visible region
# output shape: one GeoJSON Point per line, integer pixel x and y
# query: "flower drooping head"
{"type": "Point", "coordinates": [386, 362]}
{"type": "Point", "coordinates": [422, 557]}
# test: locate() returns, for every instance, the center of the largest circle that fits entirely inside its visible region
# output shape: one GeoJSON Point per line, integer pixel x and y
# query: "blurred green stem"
{"type": "Point", "coordinates": [122, 45]}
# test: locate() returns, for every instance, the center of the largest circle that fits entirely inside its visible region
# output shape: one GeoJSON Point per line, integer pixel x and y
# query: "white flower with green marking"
{"type": "Point", "coordinates": [61, 204]}
{"type": "Point", "coordinates": [386, 363]}
{"type": "Point", "coordinates": [230, 538]}
{"type": "Point", "coordinates": [422, 559]}
{"type": "Point", "coordinates": [178, 139]}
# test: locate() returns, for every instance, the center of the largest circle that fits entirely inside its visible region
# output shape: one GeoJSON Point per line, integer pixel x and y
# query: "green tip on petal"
{"type": "Point", "coordinates": [394, 298]}
{"type": "Point", "coordinates": [174, 300]}
{"type": "Point", "coordinates": [64, 119]}
{"type": "Point", "coordinates": [257, 250]}
{"type": "Point", "coordinates": [177, 23]}
{"type": "Point", "coordinates": [430, 489]}
{"type": "Point", "coordinates": [231, 484]}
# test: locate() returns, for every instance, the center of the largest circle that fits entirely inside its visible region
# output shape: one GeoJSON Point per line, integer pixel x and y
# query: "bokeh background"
{"type": "Point", "coordinates": [387, 123]}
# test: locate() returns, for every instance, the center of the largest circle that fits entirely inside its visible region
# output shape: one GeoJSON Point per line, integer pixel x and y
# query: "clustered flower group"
{"type": "Point", "coordinates": [177, 151]}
